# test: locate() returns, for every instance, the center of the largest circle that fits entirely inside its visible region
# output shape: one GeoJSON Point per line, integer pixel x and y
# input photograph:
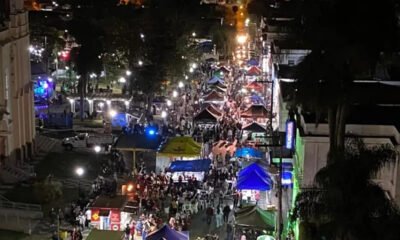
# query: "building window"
{"type": "Point", "coordinates": [4, 12]}
{"type": "Point", "coordinates": [291, 62]}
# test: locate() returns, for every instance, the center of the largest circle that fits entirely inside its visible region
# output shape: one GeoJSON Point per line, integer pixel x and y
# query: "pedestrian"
{"type": "Point", "coordinates": [218, 217]}
{"type": "Point", "coordinates": [209, 214]}
{"type": "Point", "coordinates": [127, 232]}
{"type": "Point", "coordinates": [226, 211]}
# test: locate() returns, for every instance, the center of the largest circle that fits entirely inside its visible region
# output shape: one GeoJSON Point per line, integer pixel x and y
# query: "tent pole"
{"type": "Point", "coordinates": [134, 162]}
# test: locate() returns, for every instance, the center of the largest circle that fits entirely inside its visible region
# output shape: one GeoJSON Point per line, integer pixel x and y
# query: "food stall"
{"type": "Point", "coordinates": [107, 213]}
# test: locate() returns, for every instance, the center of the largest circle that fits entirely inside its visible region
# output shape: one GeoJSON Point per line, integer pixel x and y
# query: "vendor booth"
{"type": "Point", "coordinates": [254, 132]}
{"type": "Point", "coordinates": [207, 116]}
{"type": "Point", "coordinates": [254, 182]}
{"type": "Point", "coordinates": [168, 233]}
{"type": "Point", "coordinates": [215, 80]}
{"type": "Point", "coordinates": [254, 222]}
{"type": "Point", "coordinates": [107, 213]}
{"type": "Point", "coordinates": [177, 148]}
{"type": "Point", "coordinates": [214, 97]}
{"type": "Point", "coordinates": [255, 111]}
{"type": "Point", "coordinates": [131, 144]}
{"type": "Point", "coordinates": [197, 168]}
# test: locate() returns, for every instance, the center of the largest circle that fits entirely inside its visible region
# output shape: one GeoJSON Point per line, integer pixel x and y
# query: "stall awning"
{"type": "Point", "coordinates": [214, 80]}
{"type": "Point", "coordinates": [255, 217]}
{"type": "Point", "coordinates": [254, 168]}
{"type": "Point", "coordinates": [252, 62]}
{"type": "Point", "coordinates": [253, 71]}
{"type": "Point", "coordinates": [254, 177]}
{"type": "Point", "coordinates": [180, 147]}
{"type": "Point", "coordinates": [208, 114]}
{"type": "Point", "coordinates": [213, 96]}
{"type": "Point", "coordinates": [167, 233]}
{"type": "Point", "coordinates": [200, 165]}
{"type": "Point", "coordinates": [255, 85]}
{"type": "Point", "coordinates": [248, 153]}
{"type": "Point", "coordinates": [255, 111]}
{"type": "Point", "coordinates": [254, 127]}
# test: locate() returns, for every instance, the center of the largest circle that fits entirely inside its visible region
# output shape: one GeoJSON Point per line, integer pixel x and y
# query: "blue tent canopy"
{"type": "Point", "coordinates": [215, 79]}
{"type": "Point", "coordinates": [254, 181]}
{"type": "Point", "coordinates": [252, 62]}
{"type": "Point", "coordinates": [248, 153]}
{"type": "Point", "coordinates": [200, 165]}
{"type": "Point", "coordinates": [167, 233]}
{"type": "Point", "coordinates": [254, 168]}
{"type": "Point", "coordinates": [287, 179]}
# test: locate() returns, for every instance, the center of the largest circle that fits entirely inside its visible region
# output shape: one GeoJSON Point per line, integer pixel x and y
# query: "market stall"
{"type": "Point", "coordinates": [253, 222]}
{"type": "Point", "coordinates": [107, 213]}
{"type": "Point", "coordinates": [177, 148]}
{"type": "Point", "coordinates": [197, 168]}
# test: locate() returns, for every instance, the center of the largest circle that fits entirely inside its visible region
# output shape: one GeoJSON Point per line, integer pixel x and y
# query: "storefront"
{"type": "Point", "coordinates": [107, 213]}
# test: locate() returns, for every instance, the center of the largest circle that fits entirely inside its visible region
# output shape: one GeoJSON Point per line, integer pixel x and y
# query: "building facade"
{"type": "Point", "coordinates": [17, 120]}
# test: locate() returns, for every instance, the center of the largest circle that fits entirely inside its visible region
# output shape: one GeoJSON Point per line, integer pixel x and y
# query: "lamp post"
{"type": "Point", "coordinates": [79, 171]}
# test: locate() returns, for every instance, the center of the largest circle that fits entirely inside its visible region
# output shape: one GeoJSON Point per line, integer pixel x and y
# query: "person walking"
{"type": "Point", "coordinates": [218, 217]}
{"type": "Point", "coordinates": [209, 214]}
{"type": "Point", "coordinates": [226, 211]}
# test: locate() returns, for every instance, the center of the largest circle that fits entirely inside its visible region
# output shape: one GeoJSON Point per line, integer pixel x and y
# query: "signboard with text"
{"type": "Point", "coordinates": [289, 141]}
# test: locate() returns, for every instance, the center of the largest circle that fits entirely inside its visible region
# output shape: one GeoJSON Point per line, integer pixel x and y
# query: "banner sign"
{"type": "Point", "coordinates": [289, 143]}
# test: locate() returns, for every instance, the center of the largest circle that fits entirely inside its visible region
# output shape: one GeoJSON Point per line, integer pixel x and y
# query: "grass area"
{"type": "Point", "coordinates": [11, 235]}
{"type": "Point", "coordinates": [63, 164]}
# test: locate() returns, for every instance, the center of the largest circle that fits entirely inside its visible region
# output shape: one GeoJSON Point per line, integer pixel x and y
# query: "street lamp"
{"type": "Point", "coordinates": [142, 36]}
{"type": "Point", "coordinates": [194, 65]}
{"type": "Point", "coordinates": [191, 70]}
{"type": "Point", "coordinates": [128, 73]}
{"type": "Point", "coordinates": [181, 85]}
{"type": "Point", "coordinates": [79, 171]}
{"type": "Point", "coordinates": [169, 103]}
{"type": "Point", "coordinates": [140, 63]}
{"type": "Point", "coordinates": [174, 93]}
{"type": "Point", "coordinates": [97, 149]}
{"type": "Point", "coordinates": [122, 80]}
{"type": "Point", "coordinates": [193, 34]}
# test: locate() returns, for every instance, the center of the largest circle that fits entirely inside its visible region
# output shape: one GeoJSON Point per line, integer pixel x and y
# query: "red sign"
{"type": "Point", "coordinates": [115, 217]}
{"type": "Point", "coordinates": [95, 215]}
{"type": "Point", "coordinates": [115, 227]}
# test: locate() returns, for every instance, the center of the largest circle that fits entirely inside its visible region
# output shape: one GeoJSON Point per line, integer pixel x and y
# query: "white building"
{"type": "Point", "coordinates": [17, 122]}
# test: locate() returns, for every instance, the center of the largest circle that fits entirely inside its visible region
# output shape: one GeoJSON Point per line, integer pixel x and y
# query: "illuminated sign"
{"type": "Point", "coordinates": [289, 134]}
{"type": "Point", "coordinates": [95, 215]}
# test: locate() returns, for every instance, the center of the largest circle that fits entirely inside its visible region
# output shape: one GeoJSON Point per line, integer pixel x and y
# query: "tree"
{"type": "Point", "coordinates": [345, 203]}
{"type": "Point", "coordinates": [88, 33]}
{"type": "Point", "coordinates": [343, 49]}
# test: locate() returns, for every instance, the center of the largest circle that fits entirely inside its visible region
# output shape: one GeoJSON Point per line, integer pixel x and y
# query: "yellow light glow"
{"type": "Point", "coordinates": [241, 39]}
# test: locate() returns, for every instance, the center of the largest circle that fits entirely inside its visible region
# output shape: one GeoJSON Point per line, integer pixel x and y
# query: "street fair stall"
{"type": "Point", "coordinates": [257, 112]}
{"type": "Point", "coordinates": [252, 222]}
{"type": "Point", "coordinates": [207, 116]}
{"type": "Point", "coordinates": [167, 233]}
{"type": "Point", "coordinates": [177, 148]}
{"type": "Point", "coordinates": [254, 132]}
{"type": "Point", "coordinates": [215, 80]}
{"type": "Point", "coordinates": [189, 169]}
{"type": "Point", "coordinates": [213, 97]}
{"type": "Point", "coordinates": [96, 234]}
{"type": "Point", "coordinates": [107, 213]}
{"type": "Point", "coordinates": [254, 182]}
{"type": "Point", "coordinates": [132, 144]}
